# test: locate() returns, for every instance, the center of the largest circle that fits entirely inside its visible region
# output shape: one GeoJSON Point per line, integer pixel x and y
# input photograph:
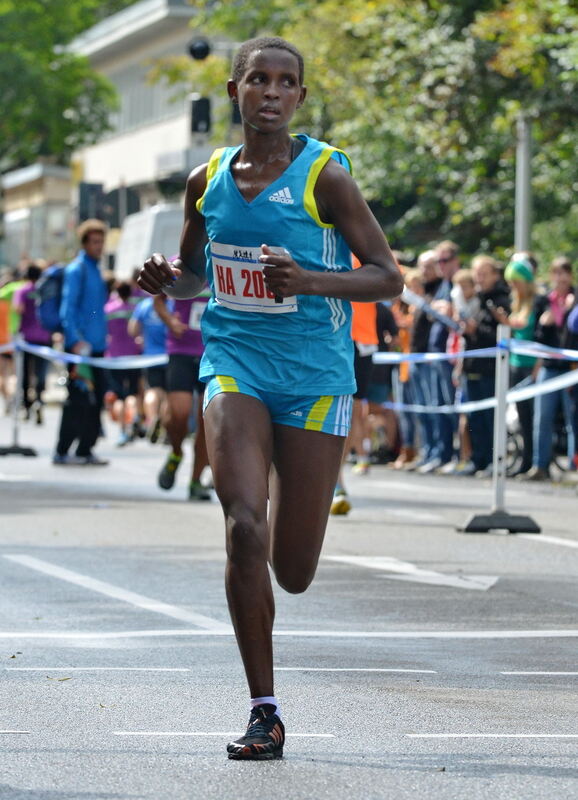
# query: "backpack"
{"type": "Point", "coordinates": [48, 292]}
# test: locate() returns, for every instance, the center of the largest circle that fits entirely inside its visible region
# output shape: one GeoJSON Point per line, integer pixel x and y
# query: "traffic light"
{"type": "Point", "coordinates": [200, 114]}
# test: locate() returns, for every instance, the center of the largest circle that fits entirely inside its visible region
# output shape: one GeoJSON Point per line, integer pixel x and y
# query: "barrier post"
{"type": "Point", "coordinates": [15, 449]}
{"type": "Point", "coordinates": [498, 518]}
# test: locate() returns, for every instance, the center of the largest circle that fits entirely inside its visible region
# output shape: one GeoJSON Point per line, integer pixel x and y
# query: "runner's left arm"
{"type": "Point", "coordinates": [341, 204]}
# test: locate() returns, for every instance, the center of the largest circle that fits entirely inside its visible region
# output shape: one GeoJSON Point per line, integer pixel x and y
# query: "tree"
{"type": "Point", "coordinates": [52, 101]}
{"type": "Point", "coordinates": [424, 95]}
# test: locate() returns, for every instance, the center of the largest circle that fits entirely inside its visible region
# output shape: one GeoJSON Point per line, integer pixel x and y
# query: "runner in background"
{"type": "Point", "coordinates": [123, 384]}
{"type": "Point", "coordinates": [185, 348]}
{"type": "Point", "coordinates": [146, 325]}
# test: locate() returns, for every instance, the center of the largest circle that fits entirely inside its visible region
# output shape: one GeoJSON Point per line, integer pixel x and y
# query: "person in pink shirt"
{"type": "Point", "coordinates": [123, 384]}
{"type": "Point", "coordinates": [185, 348]}
{"type": "Point", "coordinates": [34, 368]}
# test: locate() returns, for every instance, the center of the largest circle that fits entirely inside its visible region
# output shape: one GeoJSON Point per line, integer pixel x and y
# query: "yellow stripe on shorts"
{"type": "Point", "coordinates": [226, 383]}
{"type": "Point", "coordinates": [318, 413]}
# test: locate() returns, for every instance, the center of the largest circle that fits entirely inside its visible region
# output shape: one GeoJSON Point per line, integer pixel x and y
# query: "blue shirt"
{"type": "Point", "coordinates": [154, 330]}
{"type": "Point", "coordinates": [301, 346]}
{"type": "Point", "coordinates": [84, 294]}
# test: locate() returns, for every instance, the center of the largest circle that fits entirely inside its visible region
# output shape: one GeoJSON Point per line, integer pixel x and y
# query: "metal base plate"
{"type": "Point", "coordinates": [15, 450]}
{"type": "Point", "coordinates": [500, 520]}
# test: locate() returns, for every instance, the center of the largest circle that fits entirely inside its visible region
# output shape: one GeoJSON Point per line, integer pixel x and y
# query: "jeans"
{"type": "Point", "coordinates": [545, 409]}
{"type": "Point", "coordinates": [481, 423]}
{"type": "Point", "coordinates": [444, 394]}
{"type": "Point", "coordinates": [422, 383]}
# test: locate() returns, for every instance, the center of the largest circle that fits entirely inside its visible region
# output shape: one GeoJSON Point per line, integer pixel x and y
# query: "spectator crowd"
{"type": "Point", "coordinates": [449, 307]}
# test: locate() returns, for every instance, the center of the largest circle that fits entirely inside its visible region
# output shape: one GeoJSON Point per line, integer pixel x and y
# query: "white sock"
{"type": "Point", "coordinates": [259, 701]}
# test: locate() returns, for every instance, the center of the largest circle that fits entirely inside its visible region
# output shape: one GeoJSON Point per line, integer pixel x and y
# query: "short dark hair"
{"type": "Point", "coordinates": [262, 43]}
{"type": "Point", "coordinates": [123, 290]}
{"type": "Point", "coordinates": [33, 272]}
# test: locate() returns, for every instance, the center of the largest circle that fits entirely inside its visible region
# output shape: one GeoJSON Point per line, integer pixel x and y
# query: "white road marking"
{"type": "Point", "coordinates": [417, 516]}
{"type": "Point", "coordinates": [97, 669]}
{"type": "Point", "coordinates": [405, 571]}
{"type": "Point", "coordinates": [491, 735]}
{"type": "Point", "coordinates": [144, 634]}
{"type": "Point", "coordinates": [217, 733]}
{"type": "Point", "coordinates": [548, 539]}
{"type": "Point", "coordinates": [14, 478]}
{"type": "Point", "coordinates": [108, 589]}
{"type": "Point", "coordinates": [543, 672]}
{"type": "Point", "coordinates": [352, 669]}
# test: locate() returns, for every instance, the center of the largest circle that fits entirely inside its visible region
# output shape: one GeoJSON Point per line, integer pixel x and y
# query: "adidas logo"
{"type": "Point", "coordinates": [282, 196]}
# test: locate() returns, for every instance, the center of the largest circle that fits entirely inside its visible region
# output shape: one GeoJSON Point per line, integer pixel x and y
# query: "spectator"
{"type": "Point", "coordinates": [401, 376]}
{"type": "Point", "coordinates": [9, 323]}
{"type": "Point", "coordinates": [84, 324]}
{"type": "Point", "coordinates": [480, 331]}
{"type": "Point", "coordinates": [552, 313]}
{"type": "Point", "coordinates": [523, 319]}
{"type": "Point", "coordinates": [465, 304]}
{"type": "Point", "coordinates": [422, 377]}
{"type": "Point", "coordinates": [24, 303]}
{"type": "Point", "coordinates": [384, 428]}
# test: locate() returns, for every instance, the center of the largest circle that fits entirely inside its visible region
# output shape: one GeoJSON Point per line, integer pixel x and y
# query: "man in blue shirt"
{"type": "Point", "coordinates": [84, 325]}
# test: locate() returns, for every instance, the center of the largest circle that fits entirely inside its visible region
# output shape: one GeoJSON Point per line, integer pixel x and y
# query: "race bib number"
{"type": "Point", "coordinates": [197, 311]}
{"type": "Point", "coordinates": [239, 281]}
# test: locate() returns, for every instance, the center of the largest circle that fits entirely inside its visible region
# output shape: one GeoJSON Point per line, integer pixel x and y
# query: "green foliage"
{"type": "Point", "coordinates": [424, 95]}
{"type": "Point", "coordinates": [52, 101]}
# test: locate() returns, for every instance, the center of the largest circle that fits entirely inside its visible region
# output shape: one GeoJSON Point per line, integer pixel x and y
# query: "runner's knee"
{"type": "Point", "coordinates": [246, 536]}
{"type": "Point", "coordinates": [293, 580]}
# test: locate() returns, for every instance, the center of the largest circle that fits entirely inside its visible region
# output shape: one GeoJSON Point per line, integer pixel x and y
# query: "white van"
{"type": "Point", "coordinates": [154, 230]}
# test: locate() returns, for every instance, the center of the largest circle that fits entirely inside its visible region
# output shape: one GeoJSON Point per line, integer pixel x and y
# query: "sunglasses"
{"type": "Point", "coordinates": [445, 260]}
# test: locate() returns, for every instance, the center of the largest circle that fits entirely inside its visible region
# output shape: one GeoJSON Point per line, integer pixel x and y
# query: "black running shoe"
{"type": "Point", "coordinates": [167, 475]}
{"type": "Point", "coordinates": [264, 738]}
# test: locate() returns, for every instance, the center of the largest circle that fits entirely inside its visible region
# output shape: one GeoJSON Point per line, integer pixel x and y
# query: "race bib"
{"type": "Point", "coordinates": [197, 311]}
{"type": "Point", "coordinates": [239, 281]}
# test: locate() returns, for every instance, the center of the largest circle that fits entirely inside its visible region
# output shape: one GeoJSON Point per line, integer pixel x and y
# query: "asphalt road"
{"type": "Point", "coordinates": [422, 663]}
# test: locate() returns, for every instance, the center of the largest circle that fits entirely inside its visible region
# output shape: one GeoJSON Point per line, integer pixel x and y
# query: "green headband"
{"type": "Point", "coordinates": [519, 271]}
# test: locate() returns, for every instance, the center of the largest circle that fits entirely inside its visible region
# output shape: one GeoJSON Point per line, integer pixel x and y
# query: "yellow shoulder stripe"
{"type": "Point", "coordinates": [212, 168]}
{"type": "Point", "coordinates": [308, 196]}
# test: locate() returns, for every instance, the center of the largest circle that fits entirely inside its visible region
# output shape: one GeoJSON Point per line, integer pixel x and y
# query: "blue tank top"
{"type": "Point", "coordinates": [303, 345]}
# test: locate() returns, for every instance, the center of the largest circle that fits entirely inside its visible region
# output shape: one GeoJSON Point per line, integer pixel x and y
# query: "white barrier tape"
{"type": "Point", "coordinates": [119, 362]}
{"type": "Point", "coordinates": [527, 348]}
{"type": "Point", "coordinates": [515, 395]}
{"type": "Point", "coordinates": [420, 358]}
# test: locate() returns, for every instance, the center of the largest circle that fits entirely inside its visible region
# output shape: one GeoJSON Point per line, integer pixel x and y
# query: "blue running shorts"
{"type": "Point", "coordinates": [328, 413]}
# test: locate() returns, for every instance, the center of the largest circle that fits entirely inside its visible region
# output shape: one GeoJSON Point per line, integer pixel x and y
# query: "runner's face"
{"type": "Point", "coordinates": [269, 91]}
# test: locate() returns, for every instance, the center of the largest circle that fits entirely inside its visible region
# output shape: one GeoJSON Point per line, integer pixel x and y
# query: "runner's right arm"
{"type": "Point", "coordinates": [185, 276]}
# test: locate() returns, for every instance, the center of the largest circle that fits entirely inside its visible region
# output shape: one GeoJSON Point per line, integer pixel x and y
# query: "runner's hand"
{"type": "Point", "coordinates": [157, 274]}
{"type": "Point", "coordinates": [283, 276]}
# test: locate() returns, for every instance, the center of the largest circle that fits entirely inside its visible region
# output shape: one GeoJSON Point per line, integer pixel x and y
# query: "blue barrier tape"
{"type": "Point", "coordinates": [515, 395]}
{"type": "Point", "coordinates": [527, 348]}
{"type": "Point", "coordinates": [419, 358]}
